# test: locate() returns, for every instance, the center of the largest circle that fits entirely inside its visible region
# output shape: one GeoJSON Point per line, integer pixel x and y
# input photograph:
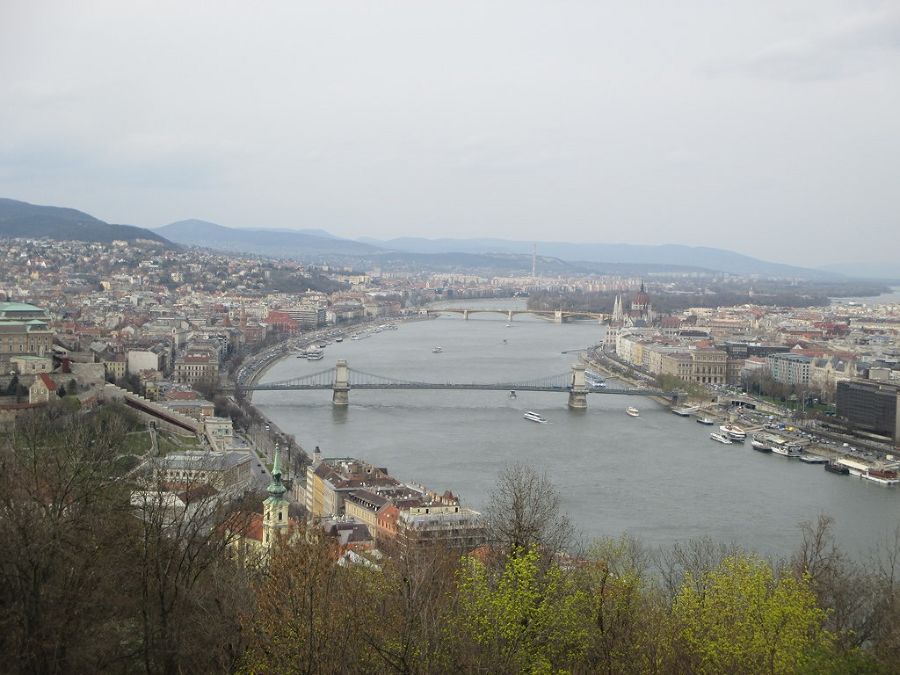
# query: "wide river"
{"type": "Point", "coordinates": [658, 477]}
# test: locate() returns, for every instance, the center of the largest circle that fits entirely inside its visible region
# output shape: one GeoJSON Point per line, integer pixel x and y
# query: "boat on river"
{"type": "Point", "coordinates": [721, 438]}
{"type": "Point", "coordinates": [532, 416]}
{"type": "Point", "coordinates": [787, 450]}
{"type": "Point", "coordinates": [814, 459]}
{"type": "Point", "coordinates": [684, 412]}
{"type": "Point", "coordinates": [760, 445]}
{"type": "Point", "coordinates": [708, 421]}
{"type": "Point", "coordinates": [883, 473]}
{"type": "Point", "coordinates": [734, 432]}
{"type": "Point", "coordinates": [436, 350]}
{"type": "Point", "coordinates": [838, 468]}
{"type": "Point", "coordinates": [632, 412]}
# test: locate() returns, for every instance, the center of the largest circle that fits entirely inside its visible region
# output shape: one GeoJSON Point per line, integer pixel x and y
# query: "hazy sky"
{"type": "Point", "coordinates": [768, 127]}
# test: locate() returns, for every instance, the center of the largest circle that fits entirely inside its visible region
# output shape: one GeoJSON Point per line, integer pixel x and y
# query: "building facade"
{"type": "Point", "coordinates": [787, 368]}
{"type": "Point", "coordinates": [870, 406]}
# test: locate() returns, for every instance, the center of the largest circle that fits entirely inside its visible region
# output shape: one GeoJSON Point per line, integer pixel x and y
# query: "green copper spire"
{"type": "Point", "coordinates": [276, 488]}
{"type": "Point", "coordinates": [276, 466]}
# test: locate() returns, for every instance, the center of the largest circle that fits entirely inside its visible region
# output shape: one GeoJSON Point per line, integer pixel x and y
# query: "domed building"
{"type": "Point", "coordinates": [641, 309]}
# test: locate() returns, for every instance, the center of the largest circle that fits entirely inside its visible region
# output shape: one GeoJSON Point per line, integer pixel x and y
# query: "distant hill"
{"type": "Point", "coordinates": [21, 219]}
{"type": "Point", "coordinates": [278, 243]}
{"type": "Point", "coordinates": [668, 254]}
{"type": "Point", "coordinates": [511, 263]}
{"type": "Point", "coordinates": [866, 270]}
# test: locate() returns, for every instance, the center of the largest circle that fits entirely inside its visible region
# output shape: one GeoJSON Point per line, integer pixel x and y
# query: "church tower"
{"type": "Point", "coordinates": [617, 313]}
{"type": "Point", "coordinates": [275, 508]}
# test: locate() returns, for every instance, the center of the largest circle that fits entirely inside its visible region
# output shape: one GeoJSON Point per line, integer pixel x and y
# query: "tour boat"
{"type": "Point", "coordinates": [721, 438]}
{"type": "Point", "coordinates": [708, 421]}
{"type": "Point", "coordinates": [633, 412]}
{"type": "Point", "coordinates": [835, 467]}
{"type": "Point", "coordinates": [315, 356]}
{"type": "Point", "coordinates": [814, 459]}
{"type": "Point", "coordinates": [786, 449]}
{"type": "Point", "coordinates": [884, 474]}
{"type": "Point", "coordinates": [762, 446]}
{"type": "Point", "coordinates": [436, 350]}
{"type": "Point", "coordinates": [734, 432]}
{"type": "Point", "coordinates": [339, 339]}
{"type": "Point", "coordinates": [684, 412]}
{"type": "Point", "coordinates": [534, 417]}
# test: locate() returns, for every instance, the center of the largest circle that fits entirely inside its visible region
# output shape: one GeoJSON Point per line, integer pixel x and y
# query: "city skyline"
{"type": "Point", "coordinates": [762, 129]}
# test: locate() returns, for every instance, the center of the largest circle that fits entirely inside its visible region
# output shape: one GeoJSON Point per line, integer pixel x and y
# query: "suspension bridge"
{"type": "Point", "coordinates": [341, 379]}
{"type": "Point", "coordinates": [556, 315]}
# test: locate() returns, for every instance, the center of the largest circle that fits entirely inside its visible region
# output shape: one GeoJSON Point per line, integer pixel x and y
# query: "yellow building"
{"type": "Point", "coordinates": [363, 506]}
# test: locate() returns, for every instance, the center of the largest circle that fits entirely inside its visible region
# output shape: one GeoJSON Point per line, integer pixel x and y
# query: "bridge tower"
{"type": "Point", "coordinates": [578, 391]}
{"type": "Point", "coordinates": [341, 386]}
{"type": "Point", "coordinates": [466, 314]}
{"type": "Point", "coordinates": [509, 316]}
{"type": "Point", "coordinates": [558, 316]}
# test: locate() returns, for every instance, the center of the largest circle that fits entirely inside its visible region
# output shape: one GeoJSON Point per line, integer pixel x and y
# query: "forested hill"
{"type": "Point", "coordinates": [21, 219]}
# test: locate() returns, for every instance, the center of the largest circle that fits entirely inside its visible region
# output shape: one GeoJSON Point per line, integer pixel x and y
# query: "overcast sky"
{"type": "Point", "coordinates": [768, 127]}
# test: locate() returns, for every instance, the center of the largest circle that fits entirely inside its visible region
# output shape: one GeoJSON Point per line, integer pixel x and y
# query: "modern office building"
{"type": "Point", "coordinates": [870, 406]}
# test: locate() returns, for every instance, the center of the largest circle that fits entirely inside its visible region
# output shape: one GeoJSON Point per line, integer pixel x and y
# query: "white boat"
{"type": "Point", "coordinates": [708, 421]}
{"type": "Point", "coordinates": [339, 339]}
{"type": "Point", "coordinates": [787, 449]}
{"type": "Point", "coordinates": [814, 459]}
{"type": "Point", "coordinates": [684, 412]}
{"type": "Point", "coordinates": [315, 356]}
{"type": "Point", "coordinates": [762, 446]}
{"type": "Point", "coordinates": [633, 412]}
{"type": "Point", "coordinates": [534, 417]}
{"type": "Point", "coordinates": [721, 438]}
{"type": "Point", "coordinates": [734, 432]}
{"type": "Point", "coordinates": [436, 350]}
{"type": "Point", "coordinates": [884, 474]}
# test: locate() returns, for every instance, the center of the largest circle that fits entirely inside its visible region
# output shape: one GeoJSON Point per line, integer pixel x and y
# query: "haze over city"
{"type": "Point", "coordinates": [449, 337]}
{"type": "Point", "coordinates": [762, 127]}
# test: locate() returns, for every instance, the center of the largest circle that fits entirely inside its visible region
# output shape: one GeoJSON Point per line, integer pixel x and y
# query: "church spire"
{"type": "Point", "coordinates": [275, 507]}
{"type": "Point", "coordinates": [276, 487]}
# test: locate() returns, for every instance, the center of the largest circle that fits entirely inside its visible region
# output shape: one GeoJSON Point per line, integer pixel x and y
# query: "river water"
{"type": "Point", "coordinates": [888, 298]}
{"type": "Point", "coordinates": [658, 477]}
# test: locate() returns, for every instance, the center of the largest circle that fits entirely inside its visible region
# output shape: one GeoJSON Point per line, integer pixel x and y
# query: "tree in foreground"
{"type": "Point", "coordinates": [747, 621]}
{"type": "Point", "coordinates": [524, 514]}
{"type": "Point", "coordinates": [520, 619]}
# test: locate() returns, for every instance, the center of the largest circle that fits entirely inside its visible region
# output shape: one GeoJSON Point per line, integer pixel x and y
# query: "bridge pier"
{"type": "Point", "coordinates": [466, 314]}
{"type": "Point", "coordinates": [341, 388]}
{"type": "Point", "coordinates": [509, 316]}
{"type": "Point", "coordinates": [578, 391]}
{"type": "Point", "coordinates": [558, 316]}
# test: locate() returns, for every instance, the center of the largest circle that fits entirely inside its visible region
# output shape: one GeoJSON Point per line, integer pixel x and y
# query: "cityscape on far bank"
{"type": "Point", "coordinates": [140, 374]}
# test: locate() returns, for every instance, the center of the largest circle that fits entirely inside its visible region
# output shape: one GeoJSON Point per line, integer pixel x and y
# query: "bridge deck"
{"type": "Point", "coordinates": [275, 386]}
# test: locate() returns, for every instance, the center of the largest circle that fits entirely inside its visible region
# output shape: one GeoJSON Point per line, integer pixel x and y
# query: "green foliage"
{"type": "Point", "coordinates": [673, 382]}
{"type": "Point", "coordinates": [746, 620]}
{"type": "Point", "coordinates": [530, 620]}
{"type": "Point", "coordinates": [621, 614]}
{"type": "Point", "coordinates": [71, 404]}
